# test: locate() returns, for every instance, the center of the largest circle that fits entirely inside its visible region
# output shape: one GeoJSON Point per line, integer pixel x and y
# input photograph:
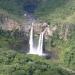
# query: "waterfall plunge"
{"type": "Point", "coordinates": [31, 41]}
{"type": "Point", "coordinates": [40, 44]}
{"type": "Point", "coordinates": [39, 49]}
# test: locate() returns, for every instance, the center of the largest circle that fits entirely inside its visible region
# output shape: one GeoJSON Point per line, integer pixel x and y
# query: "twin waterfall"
{"type": "Point", "coordinates": [39, 49]}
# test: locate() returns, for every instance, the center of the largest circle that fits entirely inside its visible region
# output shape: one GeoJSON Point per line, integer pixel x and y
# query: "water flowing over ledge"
{"type": "Point", "coordinates": [39, 49]}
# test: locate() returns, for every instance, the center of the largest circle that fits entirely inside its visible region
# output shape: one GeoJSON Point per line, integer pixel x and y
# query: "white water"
{"type": "Point", "coordinates": [31, 51]}
{"type": "Point", "coordinates": [39, 49]}
{"type": "Point", "coordinates": [31, 40]}
{"type": "Point", "coordinates": [40, 44]}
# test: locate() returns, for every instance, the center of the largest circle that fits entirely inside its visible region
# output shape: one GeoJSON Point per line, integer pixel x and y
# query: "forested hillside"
{"type": "Point", "coordinates": [14, 42]}
{"type": "Point", "coordinates": [50, 10]}
{"type": "Point", "coordinates": [57, 11]}
{"type": "Point", "coordinates": [19, 7]}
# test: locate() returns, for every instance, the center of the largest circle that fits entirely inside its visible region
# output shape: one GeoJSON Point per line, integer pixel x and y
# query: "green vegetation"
{"type": "Point", "coordinates": [62, 14]}
{"type": "Point", "coordinates": [15, 63]}
{"type": "Point", "coordinates": [13, 40]}
{"type": "Point", "coordinates": [50, 10]}
{"type": "Point", "coordinates": [16, 8]}
{"type": "Point", "coordinates": [12, 6]}
{"type": "Point", "coordinates": [19, 63]}
{"type": "Point", "coordinates": [57, 11]}
{"type": "Point", "coordinates": [62, 44]}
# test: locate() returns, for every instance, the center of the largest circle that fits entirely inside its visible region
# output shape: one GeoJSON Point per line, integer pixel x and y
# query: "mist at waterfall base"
{"type": "Point", "coordinates": [38, 50]}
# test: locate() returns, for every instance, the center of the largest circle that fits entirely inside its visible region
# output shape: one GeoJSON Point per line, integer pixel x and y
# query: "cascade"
{"type": "Point", "coordinates": [39, 49]}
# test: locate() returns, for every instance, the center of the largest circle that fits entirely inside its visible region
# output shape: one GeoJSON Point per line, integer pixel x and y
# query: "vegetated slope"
{"type": "Point", "coordinates": [15, 63]}
{"type": "Point", "coordinates": [18, 7]}
{"type": "Point", "coordinates": [57, 11]}
{"type": "Point", "coordinates": [61, 13]}
{"type": "Point", "coordinates": [49, 10]}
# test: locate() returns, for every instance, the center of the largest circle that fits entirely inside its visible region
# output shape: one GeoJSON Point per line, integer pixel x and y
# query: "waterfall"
{"type": "Point", "coordinates": [40, 44]}
{"type": "Point", "coordinates": [39, 49]}
{"type": "Point", "coordinates": [32, 50]}
{"type": "Point", "coordinates": [31, 40]}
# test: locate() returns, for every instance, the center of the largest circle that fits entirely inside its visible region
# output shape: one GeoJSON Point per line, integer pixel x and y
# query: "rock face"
{"type": "Point", "coordinates": [22, 30]}
{"type": "Point", "coordinates": [9, 24]}
{"type": "Point", "coordinates": [40, 27]}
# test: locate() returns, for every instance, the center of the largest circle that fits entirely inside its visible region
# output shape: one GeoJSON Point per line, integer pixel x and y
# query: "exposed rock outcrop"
{"type": "Point", "coordinates": [9, 24]}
